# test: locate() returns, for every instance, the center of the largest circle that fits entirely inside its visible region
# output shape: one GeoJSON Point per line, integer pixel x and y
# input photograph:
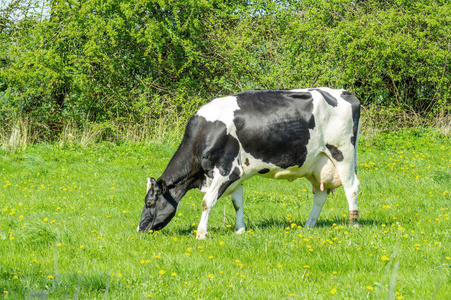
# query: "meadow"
{"type": "Point", "coordinates": [68, 218]}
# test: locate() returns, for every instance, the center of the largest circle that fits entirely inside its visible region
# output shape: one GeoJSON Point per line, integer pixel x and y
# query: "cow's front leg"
{"type": "Point", "coordinates": [218, 185]}
{"type": "Point", "coordinates": [209, 201]}
{"type": "Point", "coordinates": [237, 200]}
{"type": "Point", "coordinates": [319, 198]}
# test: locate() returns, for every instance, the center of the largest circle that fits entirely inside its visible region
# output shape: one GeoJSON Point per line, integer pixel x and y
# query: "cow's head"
{"type": "Point", "coordinates": [159, 206]}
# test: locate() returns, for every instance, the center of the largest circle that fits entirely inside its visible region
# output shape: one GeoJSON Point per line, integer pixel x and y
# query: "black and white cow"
{"type": "Point", "coordinates": [282, 134]}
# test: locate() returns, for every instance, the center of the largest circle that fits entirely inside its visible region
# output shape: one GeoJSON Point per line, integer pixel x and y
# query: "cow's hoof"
{"type": "Point", "coordinates": [355, 224]}
{"type": "Point", "coordinates": [310, 223]}
{"type": "Point", "coordinates": [201, 236]}
{"type": "Point", "coordinates": [240, 230]}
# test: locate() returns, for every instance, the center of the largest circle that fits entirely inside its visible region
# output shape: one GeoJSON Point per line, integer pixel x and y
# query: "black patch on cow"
{"type": "Point", "coordinates": [210, 144]}
{"type": "Point", "coordinates": [355, 106]}
{"type": "Point", "coordinates": [328, 97]}
{"type": "Point", "coordinates": [336, 153]}
{"type": "Point", "coordinates": [246, 162]}
{"type": "Point", "coordinates": [273, 125]}
{"type": "Point", "coordinates": [263, 171]}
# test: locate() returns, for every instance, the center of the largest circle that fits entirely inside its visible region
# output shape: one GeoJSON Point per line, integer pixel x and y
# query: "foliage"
{"type": "Point", "coordinates": [68, 216]}
{"type": "Point", "coordinates": [72, 62]}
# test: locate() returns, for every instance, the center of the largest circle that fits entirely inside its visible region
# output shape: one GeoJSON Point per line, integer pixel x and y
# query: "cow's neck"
{"type": "Point", "coordinates": [182, 174]}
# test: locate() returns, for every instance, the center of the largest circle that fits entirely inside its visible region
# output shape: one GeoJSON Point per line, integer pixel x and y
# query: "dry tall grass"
{"type": "Point", "coordinates": [17, 133]}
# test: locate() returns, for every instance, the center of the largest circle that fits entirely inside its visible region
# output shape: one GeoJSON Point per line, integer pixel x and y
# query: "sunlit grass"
{"type": "Point", "coordinates": [68, 217]}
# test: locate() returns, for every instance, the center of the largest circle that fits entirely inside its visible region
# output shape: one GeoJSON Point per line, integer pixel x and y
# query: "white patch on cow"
{"type": "Point", "coordinates": [220, 109]}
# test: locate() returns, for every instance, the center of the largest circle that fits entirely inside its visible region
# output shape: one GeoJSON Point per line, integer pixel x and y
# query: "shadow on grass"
{"type": "Point", "coordinates": [272, 222]}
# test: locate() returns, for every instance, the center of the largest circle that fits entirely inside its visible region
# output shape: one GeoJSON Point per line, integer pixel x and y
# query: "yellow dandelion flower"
{"type": "Point", "coordinates": [385, 258]}
{"type": "Point", "coordinates": [59, 244]}
{"type": "Point", "coordinates": [369, 288]}
{"type": "Point", "coordinates": [333, 291]}
{"type": "Point", "coordinates": [173, 274]}
{"type": "Point", "coordinates": [161, 272]}
{"type": "Point", "coordinates": [210, 276]}
{"type": "Point", "coordinates": [292, 294]}
{"type": "Point", "coordinates": [210, 257]}
{"type": "Point", "coordinates": [221, 243]}
{"type": "Point", "coordinates": [50, 277]}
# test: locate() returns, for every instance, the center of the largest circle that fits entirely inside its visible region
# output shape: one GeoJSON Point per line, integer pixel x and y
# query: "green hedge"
{"type": "Point", "coordinates": [127, 61]}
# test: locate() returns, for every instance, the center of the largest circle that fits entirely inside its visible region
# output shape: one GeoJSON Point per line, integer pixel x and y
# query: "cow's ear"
{"type": "Point", "coordinates": [150, 184]}
{"type": "Point", "coordinates": [161, 184]}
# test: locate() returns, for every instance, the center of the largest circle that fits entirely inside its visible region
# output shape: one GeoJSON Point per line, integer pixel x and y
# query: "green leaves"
{"type": "Point", "coordinates": [102, 61]}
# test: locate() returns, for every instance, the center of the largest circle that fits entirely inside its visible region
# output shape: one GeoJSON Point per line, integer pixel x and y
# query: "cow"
{"type": "Point", "coordinates": [281, 134]}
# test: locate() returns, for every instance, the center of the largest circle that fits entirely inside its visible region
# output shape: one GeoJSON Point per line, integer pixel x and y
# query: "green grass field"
{"type": "Point", "coordinates": [68, 216]}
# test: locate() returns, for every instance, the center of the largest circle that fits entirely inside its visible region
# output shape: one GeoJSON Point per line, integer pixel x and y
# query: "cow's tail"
{"type": "Point", "coordinates": [356, 165]}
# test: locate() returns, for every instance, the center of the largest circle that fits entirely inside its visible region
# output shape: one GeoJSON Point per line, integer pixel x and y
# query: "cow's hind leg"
{"type": "Point", "coordinates": [319, 198]}
{"type": "Point", "coordinates": [237, 200]}
{"type": "Point", "coordinates": [218, 186]}
{"type": "Point", "coordinates": [350, 184]}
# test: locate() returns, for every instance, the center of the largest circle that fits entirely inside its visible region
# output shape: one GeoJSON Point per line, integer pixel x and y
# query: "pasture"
{"type": "Point", "coordinates": [68, 217]}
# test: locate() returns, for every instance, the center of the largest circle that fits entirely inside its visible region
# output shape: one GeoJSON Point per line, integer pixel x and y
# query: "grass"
{"type": "Point", "coordinates": [68, 216]}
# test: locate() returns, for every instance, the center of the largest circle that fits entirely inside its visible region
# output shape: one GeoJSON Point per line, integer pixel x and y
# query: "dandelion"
{"type": "Point", "coordinates": [333, 291]}
{"type": "Point", "coordinates": [45, 219]}
{"type": "Point", "coordinates": [369, 288]}
{"type": "Point", "coordinates": [82, 247]}
{"type": "Point", "coordinates": [385, 258]}
{"type": "Point", "coordinates": [292, 294]}
{"type": "Point", "coordinates": [173, 274]}
{"type": "Point", "coordinates": [221, 243]}
{"type": "Point", "coordinates": [161, 272]}
{"type": "Point", "coordinates": [210, 257]}
{"type": "Point", "coordinates": [59, 244]}
{"type": "Point", "coordinates": [50, 277]}
{"type": "Point", "coordinates": [149, 296]}
{"type": "Point", "coordinates": [210, 276]}
{"type": "Point", "coordinates": [119, 275]}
